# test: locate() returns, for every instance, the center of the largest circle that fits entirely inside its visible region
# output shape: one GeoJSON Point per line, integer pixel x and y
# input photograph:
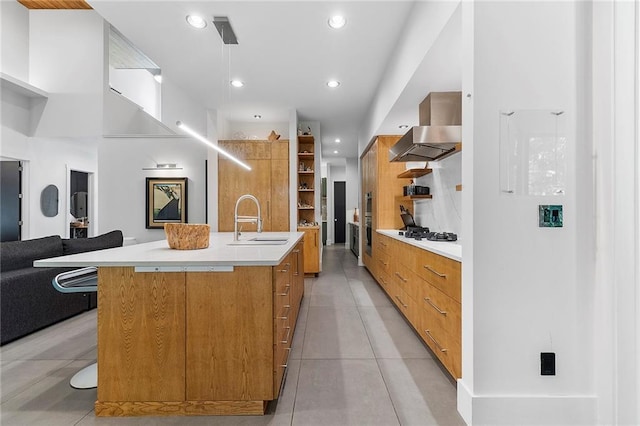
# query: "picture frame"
{"type": "Point", "coordinates": [166, 201]}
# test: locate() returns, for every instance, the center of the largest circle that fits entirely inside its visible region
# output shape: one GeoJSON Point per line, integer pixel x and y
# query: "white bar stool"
{"type": "Point", "coordinates": [83, 280]}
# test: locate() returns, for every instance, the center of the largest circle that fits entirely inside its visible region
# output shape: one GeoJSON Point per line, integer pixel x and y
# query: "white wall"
{"type": "Point", "coordinates": [443, 212]}
{"type": "Point", "coordinates": [14, 39]}
{"type": "Point", "coordinates": [616, 155]}
{"type": "Point", "coordinates": [69, 67]}
{"type": "Point", "coordinates": [177, 106]}
{"type": "Point", "coordinates": [139, 86]}
{"type": "Point", "coordinates": [426, 21]}
{"type": "Point", "coordinates": [352, 187]}
{"type": "Point", "coordinates": [523, 289]}
{"type": "Point", "coordinates": [122, 185]}
{"type": "Point", "coordinates": [47, 162]}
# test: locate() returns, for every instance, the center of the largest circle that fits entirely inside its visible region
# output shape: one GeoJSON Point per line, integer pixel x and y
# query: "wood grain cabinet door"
{"type": "Point", "coordinates": [311, 251]}
{"type": "Point", "coordinates": [268, 181]}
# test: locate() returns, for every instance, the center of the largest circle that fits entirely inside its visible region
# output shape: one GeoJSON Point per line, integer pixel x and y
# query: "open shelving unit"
{"type": "Point", "coordinates": [414, 173]}
{"type": "Point", "coordinates": [306, 180]}
{"type": "Point", "coordinates": [308, 176]}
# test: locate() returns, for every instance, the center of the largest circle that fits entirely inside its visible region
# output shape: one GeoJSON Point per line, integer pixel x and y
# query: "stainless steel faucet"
{"type": "Point", "coordinates": [250, 219]}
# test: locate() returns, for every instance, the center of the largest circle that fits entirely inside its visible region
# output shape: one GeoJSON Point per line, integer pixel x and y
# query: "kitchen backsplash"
{"type": "Point", "coordinates": [442, 213]}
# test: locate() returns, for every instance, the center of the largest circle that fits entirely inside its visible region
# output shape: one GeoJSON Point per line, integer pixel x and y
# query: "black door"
{"type": "Point", "coordinates": [10, 185]}
{"type": "Point", "coordinates": [339, 212]}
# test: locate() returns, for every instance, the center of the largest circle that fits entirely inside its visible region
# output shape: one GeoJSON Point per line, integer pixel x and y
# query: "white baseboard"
{"type": "Point", "coordinates": [538, 410]}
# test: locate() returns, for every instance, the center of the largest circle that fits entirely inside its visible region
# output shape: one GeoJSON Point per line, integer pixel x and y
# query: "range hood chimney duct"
{"type": "Point", "coordinates": [440, 130]}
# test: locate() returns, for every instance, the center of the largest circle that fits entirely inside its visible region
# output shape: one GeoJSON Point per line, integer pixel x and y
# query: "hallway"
{"type": "Point", "coordinates": [354, 361]}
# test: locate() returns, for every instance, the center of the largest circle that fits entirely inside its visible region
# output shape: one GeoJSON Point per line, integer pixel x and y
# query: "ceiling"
{"type": "Point", "coordinates": [286, 54]}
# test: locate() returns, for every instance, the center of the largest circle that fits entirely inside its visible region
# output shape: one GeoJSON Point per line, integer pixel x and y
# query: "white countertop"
{"type": "Point", "coordinates": [158, 253]}
{"type": "Point", "coordinates": [450, 249]}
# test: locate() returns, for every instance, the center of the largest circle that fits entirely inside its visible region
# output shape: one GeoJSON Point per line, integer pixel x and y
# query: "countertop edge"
{"type": "Point", "coordinates": [102, 260]}
{"type": "Point", "coordinates": [449, 250]}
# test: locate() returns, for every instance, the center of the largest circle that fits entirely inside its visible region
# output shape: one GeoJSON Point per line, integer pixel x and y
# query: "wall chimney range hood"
{"type": "Point", "coordinates": [439, 132]}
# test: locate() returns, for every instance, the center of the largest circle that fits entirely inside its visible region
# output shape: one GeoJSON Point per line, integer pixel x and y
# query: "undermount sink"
{"type": "Point", "coordinates": [260, 241]}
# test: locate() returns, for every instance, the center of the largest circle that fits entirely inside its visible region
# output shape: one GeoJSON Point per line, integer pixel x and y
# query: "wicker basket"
{"type": "Point", "coordinates": [187, 236]}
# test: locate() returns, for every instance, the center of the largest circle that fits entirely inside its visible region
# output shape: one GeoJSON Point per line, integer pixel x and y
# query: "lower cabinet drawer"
{"type": "Point", "coordinates": [441, 272]}
{"type": "Point", "coordinates": [445, 346]}
{"type": "Point", "coordinates": [280, 367]}
{"type": "Point", "coordinates": [386, 282]}
{"type": "Point", "coordinates": [444, 311]}
{"type": "Point", "coordinates": [406, 304]}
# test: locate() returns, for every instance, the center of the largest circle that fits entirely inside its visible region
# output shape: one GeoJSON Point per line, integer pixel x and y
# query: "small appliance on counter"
{"type": "Point", "coordinates": [415, 190]}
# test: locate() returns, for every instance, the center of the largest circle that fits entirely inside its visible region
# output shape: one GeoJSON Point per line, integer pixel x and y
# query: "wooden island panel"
{"type": "Point", "coordinates": [195, 343]}
{"type": "Point", "coordinates": [229, 335]}
{"type": "Point", "coordinates": [142, 315]}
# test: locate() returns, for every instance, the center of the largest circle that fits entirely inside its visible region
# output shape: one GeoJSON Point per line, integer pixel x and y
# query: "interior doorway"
{"type": "Point", "coordinates": [10, 200]}
{"type": "Point", "coordinates": [79, 204]}
{"type": "Point", "coordinates": [339, 212]}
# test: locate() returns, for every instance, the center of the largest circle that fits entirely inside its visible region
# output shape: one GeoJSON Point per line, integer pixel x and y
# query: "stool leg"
{"type": "Point", "coordinates": [87, 378]}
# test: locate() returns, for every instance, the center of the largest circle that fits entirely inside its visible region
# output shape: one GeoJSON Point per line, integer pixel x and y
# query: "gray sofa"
{"type": "Point", "coordinates": [28, 301]}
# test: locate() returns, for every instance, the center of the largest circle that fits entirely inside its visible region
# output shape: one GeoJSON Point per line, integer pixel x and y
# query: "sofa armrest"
{"type": "Point", "coordinates": [81, 245]}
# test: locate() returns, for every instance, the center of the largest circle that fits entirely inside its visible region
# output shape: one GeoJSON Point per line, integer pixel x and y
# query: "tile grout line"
{"type": "Point", "coordinates": [375, 357]}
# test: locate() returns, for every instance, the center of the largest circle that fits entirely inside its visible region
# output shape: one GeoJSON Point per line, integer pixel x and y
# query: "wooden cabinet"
{"type": "Point", "coordinates": [308, 179]}
{"type": "Point", "coordinates": [425, 287]}
{"type": "Point", "coordinates": [379, 178]}
{"type": "Point", "coordinates": [311, 249]}
{"type": "Point", "coordinates": [195, 343]}
{"type": "Point", "coordinates": [268, 181]}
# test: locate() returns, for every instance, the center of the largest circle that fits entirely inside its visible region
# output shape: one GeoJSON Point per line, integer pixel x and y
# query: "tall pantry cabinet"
{"type": "Point", "coordinates": [380, 182]}
{"type": "Point", "coordinates": [268, 181]}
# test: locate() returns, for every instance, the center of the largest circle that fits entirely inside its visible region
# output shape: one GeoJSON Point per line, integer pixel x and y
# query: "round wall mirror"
{"type": "Point", "coordinates": [49, 201]}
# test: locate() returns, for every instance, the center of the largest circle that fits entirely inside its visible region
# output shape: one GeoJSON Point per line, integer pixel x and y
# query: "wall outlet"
{"type": "Point", "coordinates": [547, 363]}
{"type": "Point", "coordinates": [550, 216]}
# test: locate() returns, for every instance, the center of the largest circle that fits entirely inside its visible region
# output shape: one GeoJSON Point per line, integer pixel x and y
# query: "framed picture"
{"type": "Point", "coordinates": [166, 201]}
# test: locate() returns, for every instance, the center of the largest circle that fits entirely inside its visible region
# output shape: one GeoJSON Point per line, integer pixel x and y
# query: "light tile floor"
{"type": "Point", "coordinates": [354, 361]}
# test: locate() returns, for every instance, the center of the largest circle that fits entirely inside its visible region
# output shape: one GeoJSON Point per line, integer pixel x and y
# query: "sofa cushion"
{"type": "Point", "coordinates": [28, 302]}
{"type": "Point", "coordinates": [81, 245]}
{"type": "Point", "coordinates": [21, 254]}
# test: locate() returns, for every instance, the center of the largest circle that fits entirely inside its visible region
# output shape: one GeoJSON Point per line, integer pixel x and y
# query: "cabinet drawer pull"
{"type": "Point", "coordinates": [286, 292]}
{"type": "Point", "coordinates": [287, 267]}
{"type": "Point", "coordinates": [401, 277]}
{"type": "Point", "coordinates": [283, 365]}
{"type": "Point", "coordinates": [297, 272]}
{"type": "Point", "coordinates": [383, 281]}
{"type": "Point", "coordinates": [401, 302]}
{"type": "Point", "coordinates": [440, 348]}
{"type": "Point", "coordinates": [286, 340]}
{"type": "Point", "coordinates": [385, 264]}
{"type": "Point", "coordinates": [430, 269]}
{"type": "Point", "coordinates": [383, 244]}
{"type": "Point", "coordinates": [434, 306]}
{"type": "Point", "coordinates": [284, 317]}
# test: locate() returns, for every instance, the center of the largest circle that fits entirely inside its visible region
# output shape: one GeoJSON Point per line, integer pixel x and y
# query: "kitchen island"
{"type": "Point", "coordinates": [194, 332]}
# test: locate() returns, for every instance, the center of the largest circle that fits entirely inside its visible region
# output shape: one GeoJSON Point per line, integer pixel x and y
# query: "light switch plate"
{"type": "Point", "coordinates": [550, 216]}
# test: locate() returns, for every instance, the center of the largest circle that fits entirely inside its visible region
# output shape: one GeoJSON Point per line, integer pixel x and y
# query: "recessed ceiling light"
{"type": "Point", "coordinates": [257, 116]}
{"type": "Point", "coordinates": [338, 140]}
{"type": "Point", "coordinates": [335, 152]}
{"type": "Point", "coordinates": [337, 21]}
{"type": "Point", "coordinates": [403, 126]}
{"type": "Point", "coordinates": [237, 83]}
{"type": "Point", "coordinates": [196, 21]}
{"type": "Point", "coordinates": [333, 83]}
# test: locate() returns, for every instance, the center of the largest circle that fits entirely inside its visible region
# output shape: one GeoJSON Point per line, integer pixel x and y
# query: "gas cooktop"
{"type": "Point", "coordinates": [419, 233]}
